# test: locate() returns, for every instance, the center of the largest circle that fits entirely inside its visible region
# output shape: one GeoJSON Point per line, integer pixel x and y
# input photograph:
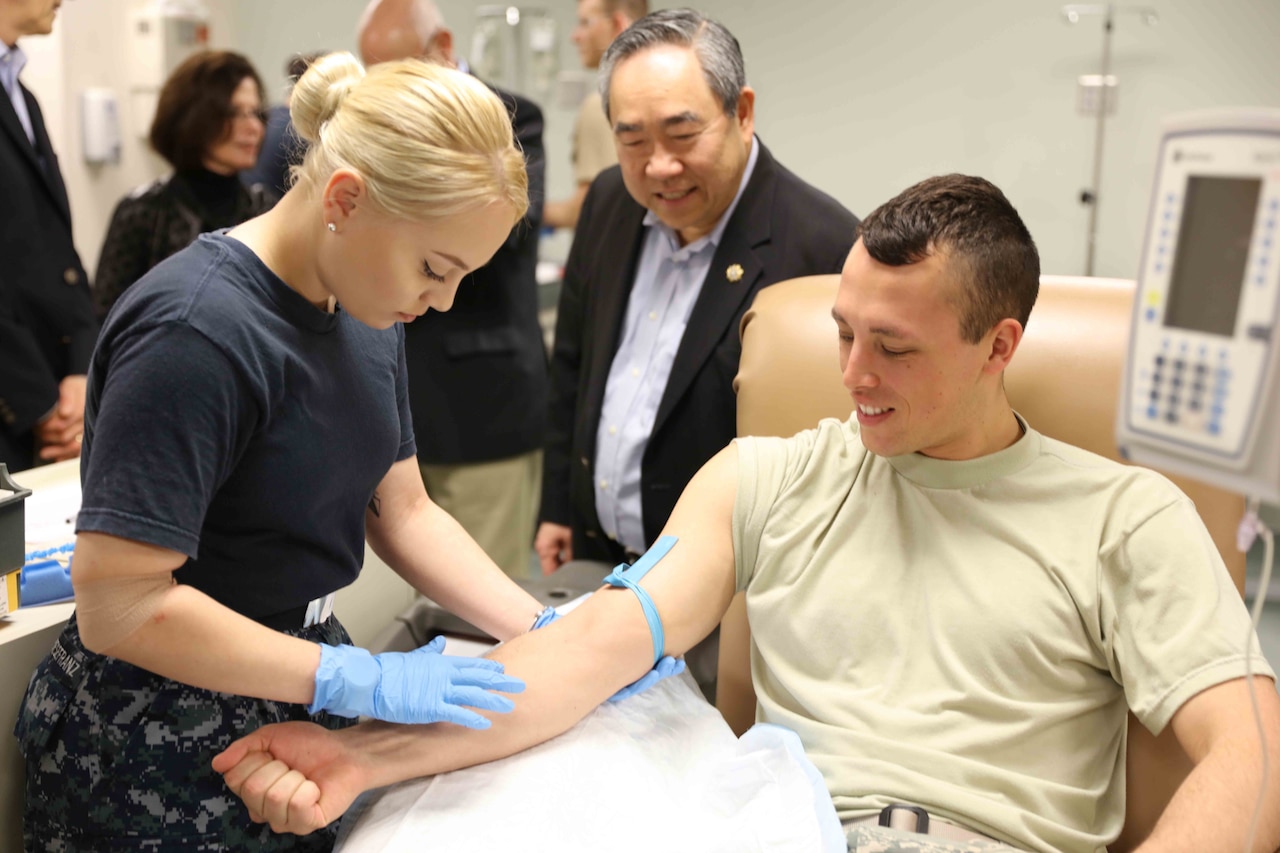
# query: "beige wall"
{"type": "Point", "coordinates": [863, 99]}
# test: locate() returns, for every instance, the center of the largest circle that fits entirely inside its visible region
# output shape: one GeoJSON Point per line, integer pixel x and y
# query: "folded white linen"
{"type": "Point", "coordinates": [660, 771]}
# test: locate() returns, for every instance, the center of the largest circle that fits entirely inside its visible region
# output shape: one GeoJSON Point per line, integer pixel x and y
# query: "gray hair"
{"type": "Point", "coordinates": [717, 50]}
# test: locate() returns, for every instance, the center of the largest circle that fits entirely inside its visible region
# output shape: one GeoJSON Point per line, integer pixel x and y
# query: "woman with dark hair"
{"type": "Point", "coordinates": [209, 126]}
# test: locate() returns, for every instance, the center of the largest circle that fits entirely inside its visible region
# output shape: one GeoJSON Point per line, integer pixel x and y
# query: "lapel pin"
{"type": "Point", "coordinates": [734, 273]}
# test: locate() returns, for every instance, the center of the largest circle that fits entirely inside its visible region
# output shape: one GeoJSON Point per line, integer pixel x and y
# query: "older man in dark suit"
{"type": "Point", "coordinates": [48, 325]}
{"type": "Point", "coordinates": [671, 247]}
{"type": "Point", "coordinates": [478, 374]}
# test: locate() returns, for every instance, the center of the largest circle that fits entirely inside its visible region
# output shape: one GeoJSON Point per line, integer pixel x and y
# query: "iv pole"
{"type": "Point", "coordinates": [1072, 12]}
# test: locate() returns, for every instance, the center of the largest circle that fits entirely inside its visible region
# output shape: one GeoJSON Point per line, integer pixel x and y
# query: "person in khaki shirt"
{"type": "Point", "coordinates": [951, 610]}
{"type": "Point", "coordinates": [599, 22]}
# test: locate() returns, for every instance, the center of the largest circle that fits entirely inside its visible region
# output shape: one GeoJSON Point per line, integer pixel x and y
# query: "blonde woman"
{"type": "Point", "coordinates": [247, 427]}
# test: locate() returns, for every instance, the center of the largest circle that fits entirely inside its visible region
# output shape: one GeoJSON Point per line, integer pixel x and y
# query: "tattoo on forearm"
{"type": "Point", "coordinates": [375, 504]}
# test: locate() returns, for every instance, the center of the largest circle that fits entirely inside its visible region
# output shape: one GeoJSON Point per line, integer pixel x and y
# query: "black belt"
{"type": "Point", "coordinates": [909, 818]}
{"type": "Point", "coordinates": [314, 612]}
{"type": "Point", "coordinates": [286, 620]}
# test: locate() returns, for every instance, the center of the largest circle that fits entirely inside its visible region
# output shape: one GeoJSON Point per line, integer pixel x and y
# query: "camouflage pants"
{"type": "Point", "coordinates": [118, 758]}
{"type": "Point", "coordinates": [881, 839]}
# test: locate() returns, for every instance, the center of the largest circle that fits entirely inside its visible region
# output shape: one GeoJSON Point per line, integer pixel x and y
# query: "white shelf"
{"type": "Point", "coordinates": [28, 620]}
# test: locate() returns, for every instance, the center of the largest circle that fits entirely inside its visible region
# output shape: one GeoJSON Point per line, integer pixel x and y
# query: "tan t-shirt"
{"type": "Point", "coordinates": [593, 150]}
{"type": "Point", "coordinates": [967, 636]}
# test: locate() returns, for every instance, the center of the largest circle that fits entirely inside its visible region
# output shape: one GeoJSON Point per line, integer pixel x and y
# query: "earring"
{"type": "Point", "coordinates": [333, 228]}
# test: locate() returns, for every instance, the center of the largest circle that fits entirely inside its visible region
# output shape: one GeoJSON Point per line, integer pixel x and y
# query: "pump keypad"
{"type": "Point", "coordinates": [1188, 391]}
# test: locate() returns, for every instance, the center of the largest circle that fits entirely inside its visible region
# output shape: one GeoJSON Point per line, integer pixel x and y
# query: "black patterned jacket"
{"type": "Point", "coordinates": [155, 221]}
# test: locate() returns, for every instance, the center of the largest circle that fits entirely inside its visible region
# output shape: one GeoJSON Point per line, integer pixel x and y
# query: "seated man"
{"type": "Point", "coordinates": [950, 609]}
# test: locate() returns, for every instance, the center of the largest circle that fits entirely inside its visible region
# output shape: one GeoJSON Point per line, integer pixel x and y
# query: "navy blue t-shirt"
{"type": "Point", "coordinates": [230, 419]}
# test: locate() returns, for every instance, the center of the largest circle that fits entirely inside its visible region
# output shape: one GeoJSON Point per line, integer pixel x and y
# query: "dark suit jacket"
{"type": "Point", "coordinates": [48, 324]}
{"type": "Point", "coordinates": [478, 373]}
{"type": "Point", "coordinates": [781, 228]}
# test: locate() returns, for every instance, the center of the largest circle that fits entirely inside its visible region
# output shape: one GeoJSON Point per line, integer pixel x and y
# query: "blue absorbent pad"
{"type": "Point", "coordinates": [45, 582]}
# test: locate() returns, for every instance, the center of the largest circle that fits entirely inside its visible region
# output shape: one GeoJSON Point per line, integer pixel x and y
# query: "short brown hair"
{"type": "Point", "coordinates": [971, 222]}
{"type": "Point", "coordinates": [193, 112]}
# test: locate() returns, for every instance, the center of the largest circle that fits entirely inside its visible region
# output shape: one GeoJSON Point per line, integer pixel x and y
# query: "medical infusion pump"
{"type": "Point", "coordinates": [1199, 393]}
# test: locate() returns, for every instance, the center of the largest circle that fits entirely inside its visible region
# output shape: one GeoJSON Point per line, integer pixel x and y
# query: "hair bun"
{"type": "Point", "coordinates": [321, 90]}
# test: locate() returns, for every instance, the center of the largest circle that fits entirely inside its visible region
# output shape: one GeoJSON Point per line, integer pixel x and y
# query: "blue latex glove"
{"type": "Point", "coordinates": [546, 617]}
{"type": "Point", "coordinates": [422, 686]}
{"type": "Point", "coordinates": [668, 666]}
{"type": "Point", "coordinates": [664, 668]}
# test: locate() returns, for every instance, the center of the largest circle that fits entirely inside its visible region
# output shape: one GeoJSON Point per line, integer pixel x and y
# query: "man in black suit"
{"type": "Point", "coordinates": [671, 247]}
{"type": "Point", "coordinates": [478, 374]}
{"type": "Point", "coordinates": [48, 325]}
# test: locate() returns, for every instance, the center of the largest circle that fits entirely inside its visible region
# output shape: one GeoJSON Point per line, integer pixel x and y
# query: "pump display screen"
{"type": "Point", "coordinates": [1213, 246]}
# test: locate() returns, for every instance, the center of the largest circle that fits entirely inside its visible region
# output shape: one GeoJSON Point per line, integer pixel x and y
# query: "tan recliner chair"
{"type": "Point", "coordinates": [1065, 379]}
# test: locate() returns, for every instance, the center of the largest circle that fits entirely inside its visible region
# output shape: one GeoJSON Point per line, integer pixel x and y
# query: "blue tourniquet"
{"type": "Point", "coordinates": [629, 577]}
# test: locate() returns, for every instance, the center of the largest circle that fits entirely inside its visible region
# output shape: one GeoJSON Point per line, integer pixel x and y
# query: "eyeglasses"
{"type": "Point", "coordinates": [246, 114]}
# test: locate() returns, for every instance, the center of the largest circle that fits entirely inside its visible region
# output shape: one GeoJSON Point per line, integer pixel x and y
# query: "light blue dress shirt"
{"type": "Point", "coordinates": [12, 61]}
{"type": "Point", "coordinates": [668, 280]}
